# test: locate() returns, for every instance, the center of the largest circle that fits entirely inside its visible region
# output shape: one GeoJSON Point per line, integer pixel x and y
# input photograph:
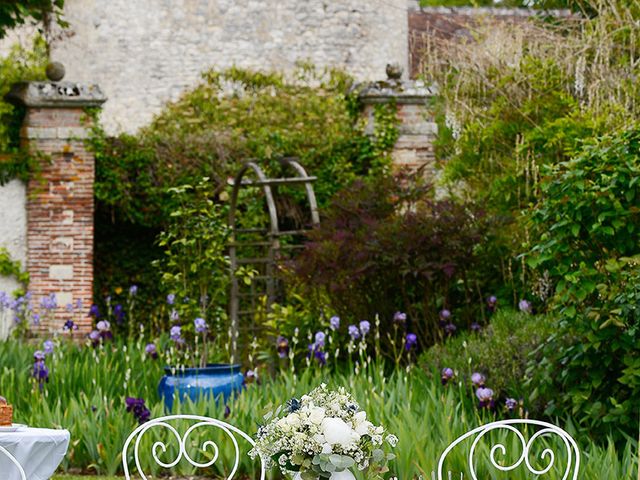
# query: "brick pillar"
{"type": "Point", "coordinates": [60, 202]}
{"type": "Point", "coordinates": [417, 129]}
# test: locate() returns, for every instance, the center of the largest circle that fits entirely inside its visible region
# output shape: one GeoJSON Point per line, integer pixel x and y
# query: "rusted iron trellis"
{"type": "Point", "coordinates": [245, 242]}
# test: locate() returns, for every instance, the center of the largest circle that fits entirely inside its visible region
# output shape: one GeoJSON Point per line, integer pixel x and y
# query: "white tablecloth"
{"type": "Point", "coordinates": [39, 451]}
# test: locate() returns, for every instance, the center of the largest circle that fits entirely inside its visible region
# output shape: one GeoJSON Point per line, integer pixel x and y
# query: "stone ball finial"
{"type": "Point", "coordinates": [55, 71]}
{"type": "Point", "coordinates": [394, 71]}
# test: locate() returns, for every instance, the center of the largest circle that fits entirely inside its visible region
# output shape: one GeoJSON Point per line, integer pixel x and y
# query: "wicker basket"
{"type": "Point", "coordinates": [6, 415]}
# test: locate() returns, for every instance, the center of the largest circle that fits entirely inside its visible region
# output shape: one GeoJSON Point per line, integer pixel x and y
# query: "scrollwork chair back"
{"type": "Point", "coordinates": [13, 460]}
{"type": "Point", "coordinates": [165, 422]}
{"type": "Point", "coordinates": [545, 429]}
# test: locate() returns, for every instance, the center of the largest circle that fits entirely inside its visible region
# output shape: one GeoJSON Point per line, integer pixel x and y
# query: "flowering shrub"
{"type": "Point", "coordinates": [322, 433]}
{"type": "Point", "coordinates": [385, 245]}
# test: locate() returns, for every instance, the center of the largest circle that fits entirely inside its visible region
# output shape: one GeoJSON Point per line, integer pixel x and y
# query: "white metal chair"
{"type": "Point", "coordinates": [13, 460]}
{"type": "Point", "coordinates": [544, 429]}
{"type": "Point", "coordinates": [165, 422]}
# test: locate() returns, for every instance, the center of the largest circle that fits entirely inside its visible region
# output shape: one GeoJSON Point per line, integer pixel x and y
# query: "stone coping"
{"type": "Point", "coordinates": [56, 94]}
{"type": "Point", "coordinates": [411, 92]}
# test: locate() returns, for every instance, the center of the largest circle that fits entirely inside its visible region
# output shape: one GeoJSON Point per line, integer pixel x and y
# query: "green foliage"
{"type": "Point", "coordinates": [520, 97]}
{"type": "Point", "coordinates": [87, 390]}
{"type": "Point", "coordinates": [232, 116]}
{"type": "Point", "coordinates": [588, 239]}
{"type": "Point", "coordinates": [194, 266]}
{"type": "Point", "coordinates": [18, 12]}
{"type": "Point", "coordinates": [501, 352]}
{"type": "Point", "coordinates": [19, 65]}
{"type": "Point", "coordinates": [387, 245]}
{"type": "Point", "coordinates": [12, 268]}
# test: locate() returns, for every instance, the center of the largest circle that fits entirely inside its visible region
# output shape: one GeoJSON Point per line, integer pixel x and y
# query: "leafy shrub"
{"type": "Point", "coordinates": [386, 245]}
{"type": "Point", "coordinates": [232, 116]}
{"type": "Point", "coordinates": [501, 352]}
{"type": "Point", "coordinates": [588, 226]}
{"type": "Point", "coordinates": [521, 96]}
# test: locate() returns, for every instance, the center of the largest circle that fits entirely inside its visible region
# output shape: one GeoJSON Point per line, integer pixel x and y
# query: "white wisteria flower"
{"type": "Point", "coordinates": [325, 434]}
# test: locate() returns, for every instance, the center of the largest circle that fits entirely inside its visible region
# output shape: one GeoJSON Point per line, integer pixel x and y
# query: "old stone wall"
{"type": "Point", "coordinates": [13, 237]}
{"type": "Point", "coordinates": [145, 52]}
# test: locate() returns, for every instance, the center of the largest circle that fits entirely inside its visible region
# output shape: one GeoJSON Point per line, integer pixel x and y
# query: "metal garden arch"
{"type": "Point", "coordinates": [269, 239]}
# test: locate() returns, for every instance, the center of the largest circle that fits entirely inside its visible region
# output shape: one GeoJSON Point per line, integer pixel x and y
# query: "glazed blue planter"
{"type": "Point", "coordinates": [215, 381]}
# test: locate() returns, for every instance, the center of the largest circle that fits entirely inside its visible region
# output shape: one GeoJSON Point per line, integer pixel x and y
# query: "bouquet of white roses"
{"type": "Point", "coordinates": [323, 435]}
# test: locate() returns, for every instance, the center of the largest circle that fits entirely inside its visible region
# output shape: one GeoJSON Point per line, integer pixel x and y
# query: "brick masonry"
{"type": "Point", "coordinates": [60, 209]}
{"type": "Point", "coordinates": [60, 199]}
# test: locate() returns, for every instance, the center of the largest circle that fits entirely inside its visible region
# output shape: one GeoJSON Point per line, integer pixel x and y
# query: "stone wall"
{"type": "Point", "coordinates": [13, 237]}
{"type": "Point", "coordinates": [145, 52]}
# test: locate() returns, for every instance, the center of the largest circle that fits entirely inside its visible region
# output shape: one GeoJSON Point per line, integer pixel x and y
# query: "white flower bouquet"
{"type": "Point", "coordinates": [325, 434]}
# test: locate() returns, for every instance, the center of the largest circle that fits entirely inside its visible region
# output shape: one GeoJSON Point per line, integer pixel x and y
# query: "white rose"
{"type": "Point", "coordinates": [337, 432]}
{"type": "Point", "coordinates": [361, 424]}
{"type": "Point", "coordinates": [316, 415]}
{"type": "Point", "coordinates": [293, 420]}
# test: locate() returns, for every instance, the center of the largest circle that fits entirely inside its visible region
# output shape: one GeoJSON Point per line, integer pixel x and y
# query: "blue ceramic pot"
{"type": "Point", "coordinates": [217, 380]}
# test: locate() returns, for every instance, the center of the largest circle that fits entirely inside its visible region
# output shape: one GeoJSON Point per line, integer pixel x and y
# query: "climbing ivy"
{"type": "Point", "coordinates": [12, 268]}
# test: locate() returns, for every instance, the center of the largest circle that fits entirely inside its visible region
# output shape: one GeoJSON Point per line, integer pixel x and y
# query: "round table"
{"type": "Point", "coordinates": [38, 450]}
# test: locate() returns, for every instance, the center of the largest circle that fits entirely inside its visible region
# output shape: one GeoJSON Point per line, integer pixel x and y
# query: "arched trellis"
{"type": "Point", "coordinates": [243, 303]}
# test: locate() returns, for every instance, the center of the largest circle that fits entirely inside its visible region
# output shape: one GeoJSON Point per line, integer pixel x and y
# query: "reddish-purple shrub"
{"type": "Point", "coordinates": [387, 245]}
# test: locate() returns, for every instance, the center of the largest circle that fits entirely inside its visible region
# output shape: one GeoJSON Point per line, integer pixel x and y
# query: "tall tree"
{"type": "Point", "coordinates": [18, 12]}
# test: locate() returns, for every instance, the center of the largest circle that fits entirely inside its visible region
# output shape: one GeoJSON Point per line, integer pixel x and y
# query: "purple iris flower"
{"type": "Point", "coordinates": [399, 318]}
{"type": "Point", "coordinates": [118, 313]}
{"type": "Point", "coordinates": [69, 307]}
{"type": "Point", "coordinates": [171, 298]}
{"type": "Point", "coordinates": [95, 336]}
{"type": "Point", "coordinates": [176, 333]}
{"type": "Point", "coordinates": [104, 327]}
{"type": "Point", "coordinates": [200, 325]}
{"type": "Point", "coordinates": [36, 319]}
{"type": "Point", "coordinates": [39, 355]}
{"type": "Point", "coordinates": [48, 347]}
{"type": "Point", "coordinates": [317, 353]}
{"type": "Point", "coordinates": [138, 408]}
{"type": "Point", "coordinates": [492, 303]}
{"type": "Point", "coordinates": [94, 311]}
{"type": "Point", "coordinates": [354, 332]}
{"type": "Point", "coordinates": [411, 341]}
{"type": "Point", "coordinates": [174, 316]}
{"type": "Point", "coordinates": [334, 322]}
{"type": "Point", "coordinates": [477, 379]}
{"type": "Point", "coordinates": [69, 325]}
{"type": "Point", "coordinates": [79, 304]}
{"type": "Point", "coordinates": [485, 396]}
{"type": "Point", "coordinates": [251, 376]}
{"type": "Point", "coordinates": [319, 339]}
{"type": "Point", "coordinates": [133, 290]}
{"type": "Point", "coordinates": [151, 350]}
{"type": "Point", "coordinates": [524, 306]}
{"type": "Point", "coordinates": [365, 326]}
{"type": "Point", "coordinates": [511, 404]}
{"type": "Point", "coordinates": [450, 329]}
{"type": "Point", "coordinates": [40, 372]}
{"type": "Point", "coordinates": [446, 375]}
{"type": "Point", "coordinates": [445, 315]}
{"type": "Point", "coordinates": [49, 302]}
{"type": "Point", "coordinates": [4, 300]}
{"type": "Point", "coordinates": [475, 327]}
{"type": "Point", "coordinates": [282, 345]}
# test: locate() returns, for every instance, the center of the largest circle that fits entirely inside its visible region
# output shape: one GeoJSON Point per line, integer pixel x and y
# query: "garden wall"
{"type": "Point", "coordinates": [146, 52]}
{"type": "Point", "coordinates": [13, 236]}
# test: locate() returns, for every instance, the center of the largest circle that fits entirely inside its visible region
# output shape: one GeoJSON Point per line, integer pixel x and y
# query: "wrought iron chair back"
{"type": "Point", "coordinates": [13, 460]}
{"type": "Point", "coordinates": [545, 429]}
{"type": "Point", "coordinates": [165, 422]}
